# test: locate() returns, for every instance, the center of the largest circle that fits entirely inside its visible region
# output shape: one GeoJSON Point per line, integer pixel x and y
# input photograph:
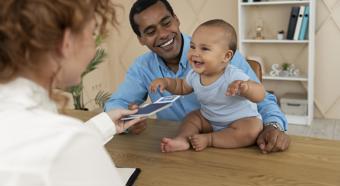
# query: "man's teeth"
{"type": "Point", "coordinates": [167, 43]}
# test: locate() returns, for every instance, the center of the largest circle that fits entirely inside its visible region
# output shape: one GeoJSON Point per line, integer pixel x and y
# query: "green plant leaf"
{"type": "Point", "coordinates": [98, 58]}
{"type": "Point", "coordinates": [101, 98]}
{"type": "Point", "coordinates": [77, 90]}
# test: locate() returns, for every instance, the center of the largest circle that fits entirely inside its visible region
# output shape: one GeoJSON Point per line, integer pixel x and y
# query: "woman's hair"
{"type": "Point", "coordinates": [29, 28]}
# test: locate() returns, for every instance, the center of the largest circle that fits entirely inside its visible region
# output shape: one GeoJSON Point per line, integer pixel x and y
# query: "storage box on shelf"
{"type": "Point", "coordinates": [294, 104]}
{"type": "Point", "coordinates": [266, 19]}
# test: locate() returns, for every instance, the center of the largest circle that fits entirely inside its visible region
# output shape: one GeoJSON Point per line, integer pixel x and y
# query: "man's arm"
{"type": "Point", "coordinates": [132, 90]}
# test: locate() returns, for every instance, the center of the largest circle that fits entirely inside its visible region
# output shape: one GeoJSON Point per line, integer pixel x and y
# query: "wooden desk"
{"type": "Point", "coordinates": [308, 162]}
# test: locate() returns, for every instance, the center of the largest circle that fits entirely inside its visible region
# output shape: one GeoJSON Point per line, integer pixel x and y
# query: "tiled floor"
{"type": "Point", "coordinates": [320, 128]}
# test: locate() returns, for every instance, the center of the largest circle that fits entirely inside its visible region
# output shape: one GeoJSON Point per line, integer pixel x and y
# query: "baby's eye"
{"type": "Point", "coordinates": [205, 49]}
{"type": "Point", "coordinates": [192, 46]}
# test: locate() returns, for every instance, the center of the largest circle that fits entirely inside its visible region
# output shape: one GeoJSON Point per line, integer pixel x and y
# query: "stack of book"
{"type": "Point", "coordinates": [298, 23]}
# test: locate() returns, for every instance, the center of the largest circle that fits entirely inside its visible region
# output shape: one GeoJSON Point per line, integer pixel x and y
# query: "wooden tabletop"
{"type": "Point", "coordinates": [308, 161]}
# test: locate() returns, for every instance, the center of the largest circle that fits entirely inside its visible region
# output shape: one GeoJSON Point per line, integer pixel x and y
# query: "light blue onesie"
{"type": "Point", "coordinates": [221, 110]}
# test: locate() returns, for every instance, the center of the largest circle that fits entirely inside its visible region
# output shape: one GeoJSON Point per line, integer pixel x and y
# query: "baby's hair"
{"type": "Point", "coordinates": [229, 30]}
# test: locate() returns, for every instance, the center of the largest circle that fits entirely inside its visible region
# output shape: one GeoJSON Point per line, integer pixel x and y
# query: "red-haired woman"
{"type": "Point", "coordinates": [46, 44]}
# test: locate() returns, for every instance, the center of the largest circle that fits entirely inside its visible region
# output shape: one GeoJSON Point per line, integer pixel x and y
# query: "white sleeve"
{"type": "Point", "coordinates": [84, 162]}
{"type": "Point", "coordinates": [103, 125]}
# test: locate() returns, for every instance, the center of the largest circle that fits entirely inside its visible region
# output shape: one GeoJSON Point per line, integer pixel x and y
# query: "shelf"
{"type": "Point", "coordinates": [297, 120]}
{"type": "Point", "coordinates": [275, 3]}
{"type": "Point", "coordinates": [285, 78]}
{"type": "Point", "coordinates": [274, 15]}
{"type": "Point", "coordinates": [275, 41]}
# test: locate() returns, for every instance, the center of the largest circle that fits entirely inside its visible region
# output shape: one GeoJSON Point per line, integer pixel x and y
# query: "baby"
{"type": "Point", "coordinates": [228, 118]}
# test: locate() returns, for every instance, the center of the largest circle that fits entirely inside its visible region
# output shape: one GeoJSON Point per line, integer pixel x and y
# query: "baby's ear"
{"type": "Point", "coordinates": [228, 55]}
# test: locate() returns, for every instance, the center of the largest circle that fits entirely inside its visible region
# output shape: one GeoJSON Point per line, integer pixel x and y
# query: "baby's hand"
{"type": "Point", "coordinates": [160, 82]}
{"type": "Point", "coordinates": [237, 87]}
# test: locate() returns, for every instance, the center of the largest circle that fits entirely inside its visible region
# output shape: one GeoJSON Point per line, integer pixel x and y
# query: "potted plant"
{"type": "Point", "coordinates": [285, 69]}
{"type": "Point", "coordinates": [77, 90]}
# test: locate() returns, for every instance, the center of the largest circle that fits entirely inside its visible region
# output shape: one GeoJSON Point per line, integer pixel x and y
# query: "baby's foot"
{"type": "Point", "coordinates": [176, 144]}
{"type": "Point", "coordinates": [200, 141]}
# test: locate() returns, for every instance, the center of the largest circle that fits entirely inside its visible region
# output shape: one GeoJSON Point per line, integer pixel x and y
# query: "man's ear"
{"type": "Point", "coordinates": [228, 55]}
{"type": "Point", "coordinates": [65, 46]}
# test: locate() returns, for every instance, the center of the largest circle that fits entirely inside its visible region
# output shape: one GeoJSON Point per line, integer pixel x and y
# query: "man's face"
{"type": "Point", "coordinates": [160, 31]}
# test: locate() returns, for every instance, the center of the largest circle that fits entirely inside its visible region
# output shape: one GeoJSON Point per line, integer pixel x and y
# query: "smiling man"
{"type": "Point", "coordinates": [157, 27]}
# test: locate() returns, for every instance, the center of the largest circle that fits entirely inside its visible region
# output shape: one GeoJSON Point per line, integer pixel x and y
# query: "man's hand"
{"type": "Point", "coordinates": [272, 140]}
{"type": "Point", "coordinates": [140, 126]}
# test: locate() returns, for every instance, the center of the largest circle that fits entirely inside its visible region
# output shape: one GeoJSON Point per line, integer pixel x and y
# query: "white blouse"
{"type": "Point", "coordinates": [39, 147]}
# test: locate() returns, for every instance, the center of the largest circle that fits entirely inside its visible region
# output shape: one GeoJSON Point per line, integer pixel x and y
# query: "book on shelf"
{"type": "Point", "coordinates": [299, 22]}
{"type": "Point", "coordinates": [292, 22]}
{"type": "Point", "coordinates": [304, 25]}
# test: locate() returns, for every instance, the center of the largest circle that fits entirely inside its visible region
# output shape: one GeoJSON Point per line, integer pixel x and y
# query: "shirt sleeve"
{"type": "Point", "coordinates": [189, 77]}
{"type": "Point", "coordinates": [238, 74]}
{"type": "Point", "coordinates": [84, 161]}
{"type": "Point", "coordinates": [103, 126]}
{"type": "Point", "coordinates": [132, 90]}
{"type": "Point", "coordinates": [268, 108]}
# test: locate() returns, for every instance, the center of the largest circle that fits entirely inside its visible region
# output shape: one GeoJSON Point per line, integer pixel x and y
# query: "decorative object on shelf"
{"type": "Point", "coordinates": [275, 70]}
{"type": "Point", "coordinates": [280, 35]}
{"type": "Point", "coordinates": [77, 90]}
{"type": "Point", "coordinates": [259, 30]}
{"type": "Point", "coordinates": [285, 70]}
{"type": "Point", "coordinates": [293, 71]}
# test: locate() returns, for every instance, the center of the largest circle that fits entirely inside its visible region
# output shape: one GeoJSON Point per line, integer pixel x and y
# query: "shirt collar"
{"type": "Point", "coordinates": [26, 94]}
{"type": "Point", "coordinates": [186, 46]}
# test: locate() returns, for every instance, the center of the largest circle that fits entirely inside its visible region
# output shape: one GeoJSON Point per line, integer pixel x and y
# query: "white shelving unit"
{"type": "Point", "coordinates": [274, 15]}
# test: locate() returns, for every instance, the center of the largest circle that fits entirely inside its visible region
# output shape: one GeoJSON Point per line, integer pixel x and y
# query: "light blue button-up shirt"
{"type": "Point", "coordinates": [149, 66]}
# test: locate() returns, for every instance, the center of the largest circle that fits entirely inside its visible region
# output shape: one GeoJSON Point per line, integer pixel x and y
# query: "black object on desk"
{"type": "Point", "coordinates": [133, 177]}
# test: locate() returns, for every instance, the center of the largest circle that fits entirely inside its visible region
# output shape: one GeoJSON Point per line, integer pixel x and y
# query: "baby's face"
{"type": "Point", "coordinates": [208, 54]}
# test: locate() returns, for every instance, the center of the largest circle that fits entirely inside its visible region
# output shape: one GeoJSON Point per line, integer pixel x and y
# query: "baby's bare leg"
{"type": "Point", "coordinates": [194, 123]}
{"type": "Point", "coordinates": [241, 133]}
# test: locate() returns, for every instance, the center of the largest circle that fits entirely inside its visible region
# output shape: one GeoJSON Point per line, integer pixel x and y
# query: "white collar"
{"type": "Point", "coordinates": [25, 94]}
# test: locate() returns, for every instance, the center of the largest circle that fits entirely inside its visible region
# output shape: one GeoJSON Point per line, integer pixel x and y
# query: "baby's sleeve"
{"type": "Point", "coordinates": [189, 77]}
{"type": "Point", "coordinates": [238, 74]}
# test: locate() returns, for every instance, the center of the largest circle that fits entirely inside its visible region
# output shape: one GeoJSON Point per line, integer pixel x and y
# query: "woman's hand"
{"type": "Point", "coordinates": [141, 126]}
{"type": "Point", "coordinates": [121, 125]}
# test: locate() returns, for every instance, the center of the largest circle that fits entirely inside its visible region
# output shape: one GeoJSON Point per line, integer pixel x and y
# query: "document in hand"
{"type": "Point", "coordinates": [129, 175]}
{"type": "Point", "coordinates": [150, 109]}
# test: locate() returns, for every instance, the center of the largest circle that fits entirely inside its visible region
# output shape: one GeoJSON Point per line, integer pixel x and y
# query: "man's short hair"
{"type": "Point", "coordinates": [228, 28]}
{"type": "Point", "coordinates": [139, 6]}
